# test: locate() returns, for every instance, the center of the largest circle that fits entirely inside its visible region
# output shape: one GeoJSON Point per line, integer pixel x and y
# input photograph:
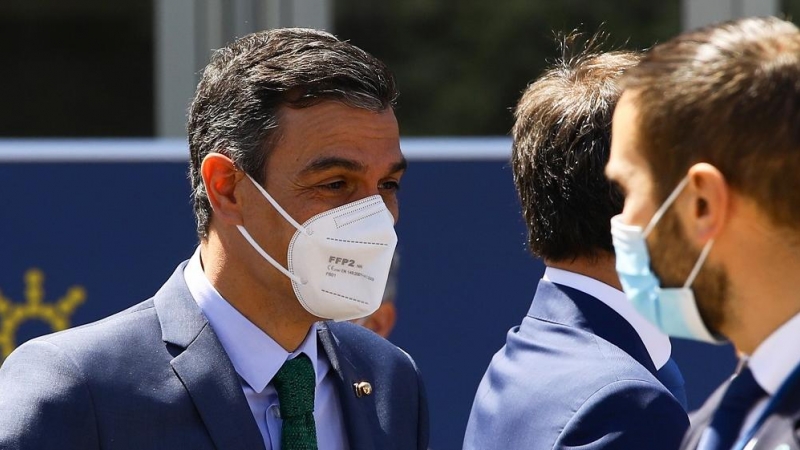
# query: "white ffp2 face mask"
{"type": "Point", "coordinates": [338, 260]}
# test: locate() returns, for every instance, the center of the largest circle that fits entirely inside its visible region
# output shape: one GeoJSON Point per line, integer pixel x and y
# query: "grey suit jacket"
{"type": "Point", "coordinates": [780, 429]}
{"type": "Point", "coordinates": [156, 377]}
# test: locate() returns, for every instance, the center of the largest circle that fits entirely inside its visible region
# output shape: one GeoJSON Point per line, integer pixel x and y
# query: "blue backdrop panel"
{"type": "Point", "coordinates": [118, 230]}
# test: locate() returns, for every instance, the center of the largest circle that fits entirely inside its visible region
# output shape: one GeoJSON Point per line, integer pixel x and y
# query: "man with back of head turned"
{"type": "Point", "coordinates": [583, 370]}
{"type": "Point", "coordinates": [295, 166]}
{"type": "Point", "coordinates": [707, 147]}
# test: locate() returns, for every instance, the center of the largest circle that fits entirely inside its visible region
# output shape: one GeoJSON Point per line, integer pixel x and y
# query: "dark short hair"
{"type": "Point", "coordinates": [236, 109]}
{"type": "Point", "coordinates": [561, 146]}
{"type": "Point", "coordinates": [728, 95]}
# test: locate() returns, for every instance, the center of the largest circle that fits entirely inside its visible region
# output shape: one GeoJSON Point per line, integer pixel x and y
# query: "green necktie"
{"type": "Point", "coordinates": [295, 386]}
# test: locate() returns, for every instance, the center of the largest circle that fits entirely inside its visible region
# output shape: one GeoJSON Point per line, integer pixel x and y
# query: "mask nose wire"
{"type": "Point", "coordinates": [278, 207]}
{"type": "Point", "coordinates": [665, 206]}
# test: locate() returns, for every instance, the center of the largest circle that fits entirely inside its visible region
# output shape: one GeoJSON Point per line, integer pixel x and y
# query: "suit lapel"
{"type": "Point", "coordinates": [204, 368]}
{"type": "Point", "coordinates": [778, 432]}
{"type": "Point", "coordinates": [360, 415]}
{"type": "Point", "coordinates": [701, 419]}
{"type": "Point", "coordinates": [782, 427]}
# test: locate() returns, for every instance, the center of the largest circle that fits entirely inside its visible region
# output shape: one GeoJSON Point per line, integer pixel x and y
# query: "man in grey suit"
{"type": "Point", "coordinates": [295, 166]}
{"type": "Point", "coordinates": [706, 145]}
{"type": "Point", "coordinates": [583, 369]}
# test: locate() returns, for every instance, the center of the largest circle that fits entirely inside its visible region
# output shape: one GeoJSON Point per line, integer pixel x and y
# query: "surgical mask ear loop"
{"type": "Point", "coordinates": [258, 248]}
{"type": "Point", "coordinates": [665, 206]}
{"type": "Point", "coordinates": [702, 259]}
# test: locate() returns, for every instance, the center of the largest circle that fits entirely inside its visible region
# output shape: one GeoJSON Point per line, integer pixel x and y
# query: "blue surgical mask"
{"type": "Point", "coordinates": [673, 310]}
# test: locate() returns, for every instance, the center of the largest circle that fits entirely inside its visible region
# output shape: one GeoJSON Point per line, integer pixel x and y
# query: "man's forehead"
{"type": "Point", "coordinates": [333, 134]}
{"type": "Point", "coordinates": [331, 116]}
{"type": "Point", "coordinates": [625, 154]}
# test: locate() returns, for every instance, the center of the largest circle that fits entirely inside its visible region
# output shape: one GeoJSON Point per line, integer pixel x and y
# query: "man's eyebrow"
{"type": "Point", "coordinates": [329, 162]}
{"type": "Point", "coordinates": [399, 166]}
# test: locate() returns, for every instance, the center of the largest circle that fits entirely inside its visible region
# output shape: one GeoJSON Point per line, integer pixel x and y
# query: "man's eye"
{"type": "Point", "coordinates": [334, 186]}
{"type": "Point", "coordinates": [390, 185]}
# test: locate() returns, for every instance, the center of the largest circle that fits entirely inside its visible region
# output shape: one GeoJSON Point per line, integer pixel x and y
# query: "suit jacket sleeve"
{"type": "Point", "coordinates": [625, 415]}
{"type": "Point", "coordinates": [45, 402]}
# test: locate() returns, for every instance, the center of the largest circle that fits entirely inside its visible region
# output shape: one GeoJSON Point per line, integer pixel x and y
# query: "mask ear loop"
{"type": "Point", "coordinates": [702, 259]}
{"type": "Point", "coordinates": [280, 210]}
{"type": "Point", "coordinates": [269, 259]}
{"type": "Point", "coordinates": [258, 248]}
{"type": "Point", "coordinates": [665, 206]}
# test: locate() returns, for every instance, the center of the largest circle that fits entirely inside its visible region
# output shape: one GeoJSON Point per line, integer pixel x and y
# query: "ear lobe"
{"type": "Point", "coordinates": [220, 177]}
{"type": "Point", "coordinates": [710, 203]}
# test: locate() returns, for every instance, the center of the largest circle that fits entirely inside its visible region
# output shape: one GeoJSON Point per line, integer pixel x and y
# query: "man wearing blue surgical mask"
{"type": "Point", "coordinates": [706, 146]}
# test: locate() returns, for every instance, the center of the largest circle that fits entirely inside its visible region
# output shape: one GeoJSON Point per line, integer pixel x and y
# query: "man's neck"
{"type": "Point", "coordinates": [764, 285]}
{"type": "Point", "coordinates": [600, 268]}
{"type": "Point", "coordinates": [282, 319]}
{"type": "Point", "coordinates": [753, 320]}
{"type": "Point", "coordinates": [763, 299]}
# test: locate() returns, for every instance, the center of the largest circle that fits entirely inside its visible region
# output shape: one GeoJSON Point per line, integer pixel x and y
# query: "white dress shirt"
{"type": "Point", "coordinates": [772, 363]}
{"type": "Point", "coordinates": [257, 358]}
{"type": "Point", "coordinates": [657, 343]}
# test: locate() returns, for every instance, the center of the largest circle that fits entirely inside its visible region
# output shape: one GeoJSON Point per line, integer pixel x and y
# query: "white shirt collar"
{"type": "Point", "coordinates": [254, 354]}
{"type": "Point", "coordinates": [775, 359]}
{"type": "Point", "coordinates": [657, 343]}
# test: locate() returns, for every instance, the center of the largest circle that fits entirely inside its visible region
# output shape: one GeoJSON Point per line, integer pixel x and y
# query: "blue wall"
{"type": "Point", "coordinates": [119, 230]}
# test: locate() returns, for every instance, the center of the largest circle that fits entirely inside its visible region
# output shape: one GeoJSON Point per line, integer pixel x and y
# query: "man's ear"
{"type": "Point", "coordinates": [382, 321]}
{"type": "Point", "coordinates": [220, 177]}
{"type": "Point", "coordinates": [710, 204]}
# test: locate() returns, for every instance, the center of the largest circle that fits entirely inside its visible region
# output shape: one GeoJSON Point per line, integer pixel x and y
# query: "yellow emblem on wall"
{"type": "Point", "coordinates": [56, 314]}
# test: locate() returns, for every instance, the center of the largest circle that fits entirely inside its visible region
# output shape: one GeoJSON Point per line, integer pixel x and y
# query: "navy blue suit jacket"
{"type": "Point", "coordinates": [574, 374]}
{"type": "Point", "coordinates": [156, 377]}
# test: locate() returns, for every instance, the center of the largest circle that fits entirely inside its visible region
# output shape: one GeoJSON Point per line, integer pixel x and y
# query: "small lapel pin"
{"type": "Point", "coordinates": [362, 388]}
